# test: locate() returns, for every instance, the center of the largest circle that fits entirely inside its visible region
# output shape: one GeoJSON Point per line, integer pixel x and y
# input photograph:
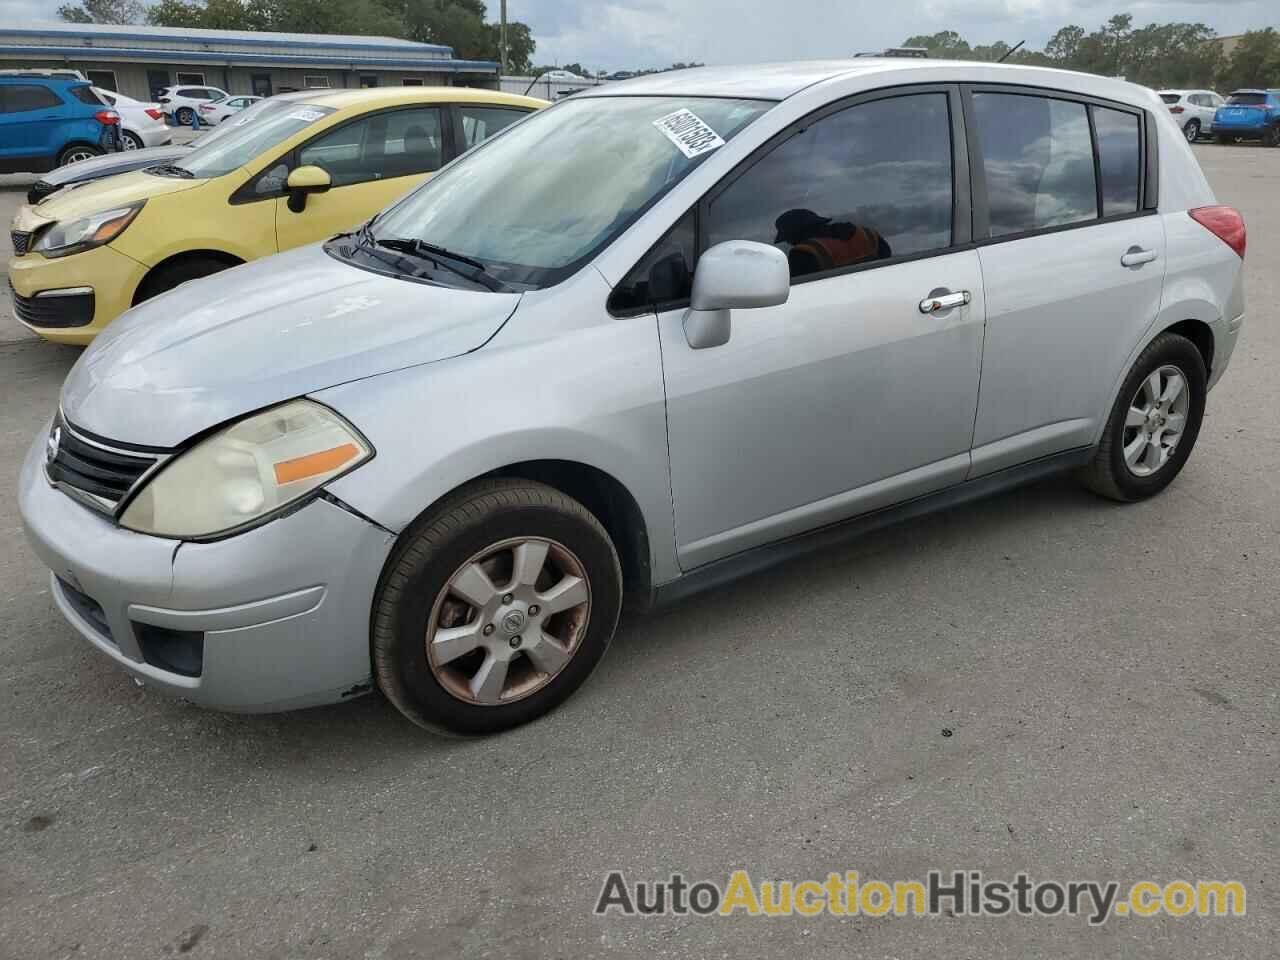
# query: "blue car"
{"type": "Point", "coordinates": [48, 121]}
{"type": "Point", "coordinates": [1249, 115]}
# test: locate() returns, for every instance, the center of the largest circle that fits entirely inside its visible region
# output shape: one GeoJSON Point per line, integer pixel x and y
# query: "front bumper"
{"type": "Point", "coordinates": [110, 275]}
{"type": "Point", "coordinates": [281, 612]}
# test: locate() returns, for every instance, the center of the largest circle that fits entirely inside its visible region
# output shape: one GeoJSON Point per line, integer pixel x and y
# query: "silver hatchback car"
{"type": "Point", "coordinates": [664, 333]}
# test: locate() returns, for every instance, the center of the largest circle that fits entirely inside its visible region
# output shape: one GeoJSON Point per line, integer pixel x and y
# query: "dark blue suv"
{"type": "Point", "coordinates": [48, 121]}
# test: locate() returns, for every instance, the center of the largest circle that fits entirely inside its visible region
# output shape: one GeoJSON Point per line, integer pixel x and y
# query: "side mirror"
{"type": "Point", "coordinates": [303, 181]}
{"type": "Point", "coordinates": [734, 275]}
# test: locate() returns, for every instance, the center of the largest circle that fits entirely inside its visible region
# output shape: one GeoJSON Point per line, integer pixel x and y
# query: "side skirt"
{"type": "Point", "coordinates": [721, 572]}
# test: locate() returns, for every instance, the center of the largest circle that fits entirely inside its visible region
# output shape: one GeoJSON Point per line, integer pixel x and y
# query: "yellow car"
{"type": "Point", "coordinates": [299, 170]}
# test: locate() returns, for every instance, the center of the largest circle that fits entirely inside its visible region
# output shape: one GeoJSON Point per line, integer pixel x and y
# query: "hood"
{"type": "Point", "coordinates": [66, 205]}
{"type": "Point", "coordinates": [109, 165]}
{"type": "Point", "coordinates": [270, 330]}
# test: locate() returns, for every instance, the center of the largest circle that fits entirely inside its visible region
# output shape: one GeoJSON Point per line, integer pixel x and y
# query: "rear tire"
{"type": "Point", "coordinates": [1114, 473]}
{"type": "Point", "coordinates": [184, 116]}
{"type": "Point", "coordinates": [166, 278]}
{"type": "Point", "coordinates": [77, 152]}
{"type": "Point", "coordinates": [430, 593]}
{"type": "Point", "coordinates": [1192, 131]}
{"type": "Point", "coordinates": [132, 141]}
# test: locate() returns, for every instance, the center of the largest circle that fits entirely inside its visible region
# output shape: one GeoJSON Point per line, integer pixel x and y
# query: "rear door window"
{"type": "Point", "coordinates": [21, 97]}
{"type": "Point", "coordinates": [870, 182]}
{"type": "Point", "coordinates": [1119, 159]}
{"type": "Point", "coordinates": [1037, 155]}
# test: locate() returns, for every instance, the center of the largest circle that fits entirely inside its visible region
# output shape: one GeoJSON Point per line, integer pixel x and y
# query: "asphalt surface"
{"type": "Point", "coordinates": [1043, 682]}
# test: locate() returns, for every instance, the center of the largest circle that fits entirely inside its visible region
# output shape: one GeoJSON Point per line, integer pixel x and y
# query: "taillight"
{"type": "Point", "coordinates": [1223, 222]}
{"type": "Point", "coordinates": [107, 117]}
{"type": "Point", "coordinates": [1175, 109]}
{"type": "Point", "coordinates": [155, 114]}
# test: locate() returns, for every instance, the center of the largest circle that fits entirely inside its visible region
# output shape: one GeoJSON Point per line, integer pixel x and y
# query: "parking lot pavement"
{"type": "Point", "coordinates": [1043, 681]}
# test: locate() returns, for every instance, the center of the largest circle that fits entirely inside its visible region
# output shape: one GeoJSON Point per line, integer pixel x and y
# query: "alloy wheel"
{"type": "Point", "coordinates": [1192, 130]}
{"type": "Point", "coordinates": [508, 621]}
{"type": "Point", "coordinates": [78, 154]}
{"type": "Point", "coordinates": [130, 142]}
{"type": "Point", "coordinates": [1155, 421]}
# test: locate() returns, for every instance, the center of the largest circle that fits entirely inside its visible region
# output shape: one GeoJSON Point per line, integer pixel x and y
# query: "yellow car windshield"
{"type": "Point", "coordinates": [255, 135]}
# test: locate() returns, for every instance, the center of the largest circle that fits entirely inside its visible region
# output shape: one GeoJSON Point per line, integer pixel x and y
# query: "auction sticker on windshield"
{"type": "Point", "coordinates": [687, 131]}
{"type": "Point", "coordinates": [309, 116]}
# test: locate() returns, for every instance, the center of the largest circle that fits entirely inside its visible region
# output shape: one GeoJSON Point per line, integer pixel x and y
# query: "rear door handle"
{"type": "Point", "coordinates": [937, 302]}
{"type": "Point", "coordinates": [1136, 257]}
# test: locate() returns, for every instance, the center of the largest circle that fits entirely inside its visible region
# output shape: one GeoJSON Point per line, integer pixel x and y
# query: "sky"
{"type": "Point", "coordinates": [622, 34]}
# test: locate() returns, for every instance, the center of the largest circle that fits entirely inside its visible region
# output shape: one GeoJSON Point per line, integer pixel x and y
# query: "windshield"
{"type": "Point", "coordinates": [1170, 97]}
{"type": "Point", "coordinates": [532, 204]}
{"type": "Point", "coordinates": [1247, 98]}
{"type": "Point", "coordinates": [217, 155]}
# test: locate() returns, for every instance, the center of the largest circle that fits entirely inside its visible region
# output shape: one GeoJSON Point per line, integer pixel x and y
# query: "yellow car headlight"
{"type": "Point", "coordinates": [247, 472]}
{"type": "Point", "coordinates": [64, 239]}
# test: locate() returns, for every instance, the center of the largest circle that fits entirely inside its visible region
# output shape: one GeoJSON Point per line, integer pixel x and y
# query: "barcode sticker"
{"type": "Point", "coordinates": [691, 136]}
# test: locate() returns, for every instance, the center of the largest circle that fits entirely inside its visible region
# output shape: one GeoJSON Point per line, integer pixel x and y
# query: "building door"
{"type": "Point", "coordinates": [157, 80]}
{"type": "Point", "coordinates": [368, 80]}
{"type": "Point", "coordinates": [262, 84]}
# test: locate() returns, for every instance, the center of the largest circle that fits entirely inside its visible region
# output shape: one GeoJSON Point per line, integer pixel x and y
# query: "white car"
{"type": "Point", "coordinates": [563, 76]}
{"type": "Point", "coordinates": [1192, 110]}
{"type": "Point", "coordinates": [142, 123]}
{"type": "Point", "coordinates": [218, 110]}
{"type": "Point", "coordinates": [182, 102]}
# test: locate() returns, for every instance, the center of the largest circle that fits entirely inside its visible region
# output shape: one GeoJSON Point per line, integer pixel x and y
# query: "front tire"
{"type": "Point", "coordinates": [1271, 137]}
{"type": "Point", "coordinates": [1154, 423]}
{"type": "Point", "coordinates": [166, 278]}
{"type": "Point", "coordinates": [1192, 131]}
{"type": "Point", "coordinates": [494, 608]}
{"type": "Point", "coordinates": [184, 116]}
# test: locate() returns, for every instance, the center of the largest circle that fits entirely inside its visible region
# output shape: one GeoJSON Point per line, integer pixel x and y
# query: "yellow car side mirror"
{"type": "Point", "coordinates": [303, 181]}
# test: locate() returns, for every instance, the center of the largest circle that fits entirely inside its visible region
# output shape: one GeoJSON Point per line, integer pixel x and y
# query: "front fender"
{"type": "Point", "coordinates": [592, 396]}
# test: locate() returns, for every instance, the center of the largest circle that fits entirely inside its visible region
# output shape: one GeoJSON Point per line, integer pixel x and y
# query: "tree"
{"type": "Point", "coordinates": [1255, 61]}
{"type": "Point", "coordinates": [946, 44]}
{"type": "Point", "coordinates": [103, 11]}
{"type": "Point", "coordinates": [520, 47]}
{"type": "Point", "coordinates": [1062, 46]}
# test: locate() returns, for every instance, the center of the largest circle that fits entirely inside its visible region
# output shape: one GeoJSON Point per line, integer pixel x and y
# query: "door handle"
{"type": "Point", "coordinates": [937, 302]}
{"type": "Point", "coordinates": [1136, 257]}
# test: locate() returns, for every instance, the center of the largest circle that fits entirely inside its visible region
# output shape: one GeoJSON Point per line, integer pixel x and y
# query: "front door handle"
{"type": "Point", "coordinates": [937, 302]}
{"type": "Point", "coordinates": [1136, 257]}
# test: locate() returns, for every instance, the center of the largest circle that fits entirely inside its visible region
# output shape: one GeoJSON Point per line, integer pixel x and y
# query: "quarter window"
{"type": "Point", "coordinates": [397, 143]}
{"type": "Point", "coordinates": [868, 183]}
{"type": "Point", "coordinates": [1119, 156]}
{"type": "Point", "coordinates": [481, 123]}
{"type": "Point", "coordinates": [664, 275]}
{"type": "Point", "coordinates": [1038, 159]}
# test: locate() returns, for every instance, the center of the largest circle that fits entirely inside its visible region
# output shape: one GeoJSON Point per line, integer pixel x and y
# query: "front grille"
{"type": "Point", "coordinates": [21, 239]}
{"type": "Point", "coordinates": [103, 469]}
{"type": "Point", "coordinates": [55, 310]}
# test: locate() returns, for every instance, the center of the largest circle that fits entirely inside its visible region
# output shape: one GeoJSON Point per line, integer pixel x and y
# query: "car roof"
{"type": "Point", "coordinates": [779, 81]}
{"type": "Point", "coordinates": [29, 78]}
{"type": "Point", "coordinates": [392, 96]}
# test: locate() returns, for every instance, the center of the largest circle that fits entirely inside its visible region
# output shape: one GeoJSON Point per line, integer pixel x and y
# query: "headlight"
{"type": "Point", "coordinates": [63, 239]}
{"type": "Point", "coordinates": [247, 471]}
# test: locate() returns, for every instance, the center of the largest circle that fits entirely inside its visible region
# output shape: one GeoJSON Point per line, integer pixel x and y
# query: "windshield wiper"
{"type": "Point", "coordinates": [171, 170]}
{"type": "Point", "coordinates": [440, 256]}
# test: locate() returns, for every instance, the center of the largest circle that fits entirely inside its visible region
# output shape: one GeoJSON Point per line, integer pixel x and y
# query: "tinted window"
{"type": "Point", "coordinates": [1170, 97]}
{"type": "Point", "coordinates": [869, 182]}
{"type": "Point", "coordinates": [481, 123]}
{"type": "Point", "coordinates": [22, 97]}
{"type": "Point", "coordinates": [1038, 159]}
{"type": "Point", "coordinates": [1119, 153]}
{"type": "Point", "coordinates": [390, 144]}
{"type": "Point", "coordinates": [663, 276]}
{"type": "Point", "coordinates": [1247, 98]}
{"type": "Point", "coordinates": [86, 95]}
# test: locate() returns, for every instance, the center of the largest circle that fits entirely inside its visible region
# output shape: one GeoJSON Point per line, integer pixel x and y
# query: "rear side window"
{"type": "Point", "coordinates": [21, 97]}
{"type": "Point", "coordinates": [1170, 97]}
{"type": "Point", "coordinates": [868, 183]}
{"type": "Point", "coordinates": [86, 95]}
{"type": "Point", "coordinates": [1119, 156]}
{"type": "Point", "coordinates": [1038, 158]}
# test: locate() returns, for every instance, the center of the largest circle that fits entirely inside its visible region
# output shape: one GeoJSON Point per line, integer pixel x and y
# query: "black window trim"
{"type": "Point", "coordinates": [1148, 161]}
{"type": "Point", "coordinates": [245, 193]}
{"type": "Point", "coordinates": [962, 198]}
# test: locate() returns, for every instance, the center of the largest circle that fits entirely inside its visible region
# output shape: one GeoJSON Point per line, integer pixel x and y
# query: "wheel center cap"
{"type": "Point", "coordinates": [513, 621]}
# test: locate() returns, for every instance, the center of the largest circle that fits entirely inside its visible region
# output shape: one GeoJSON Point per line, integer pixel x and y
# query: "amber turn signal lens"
{"type": "Point", "coordinates": [314, 463]}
